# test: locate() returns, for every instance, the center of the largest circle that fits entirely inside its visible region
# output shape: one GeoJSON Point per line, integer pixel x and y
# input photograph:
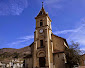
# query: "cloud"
{"type": "Point", "coordinates": [79, 35]}
{"type": "Point", "coordinates": [27, 37]}
{"type": "Point", "coordinates": [53, 3]}
{"type": "Point", "coordinates": [21, 41]}
{"type": "Point", "coordinates": [67, 31]}
{"type": "Point", "coordinates": [83, 49]}
{"type": "Point", "coordinates": [53, 6]}
{"type": "Point", "coordinates": [76, 35]}
{"type": "Point", "coordinates": [12, 7]}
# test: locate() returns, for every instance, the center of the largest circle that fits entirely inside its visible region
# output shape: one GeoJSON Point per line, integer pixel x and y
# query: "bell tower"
{"type": "Point", "coordinates": [42, 55]}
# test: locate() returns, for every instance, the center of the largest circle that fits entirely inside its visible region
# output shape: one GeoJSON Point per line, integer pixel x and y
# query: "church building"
{"type": "Point", "coordinates": [47, 50]}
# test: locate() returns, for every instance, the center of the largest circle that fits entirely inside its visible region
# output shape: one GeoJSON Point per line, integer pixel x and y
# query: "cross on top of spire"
{"type": "Point", "coordinates": [42, 4]}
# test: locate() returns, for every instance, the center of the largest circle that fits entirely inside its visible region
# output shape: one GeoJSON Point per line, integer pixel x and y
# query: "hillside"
{"type": "Point", "coordinates": [12, 50]}
{"type": "Point", "coordinates": [10, 53]}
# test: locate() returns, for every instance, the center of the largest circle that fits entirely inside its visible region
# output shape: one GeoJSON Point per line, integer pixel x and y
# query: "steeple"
{"type": "Point", "coordinates": [42, 12]}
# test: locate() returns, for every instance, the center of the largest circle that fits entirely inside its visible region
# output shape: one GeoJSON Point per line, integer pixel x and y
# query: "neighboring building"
{"type": "Point", "coordinates": [47, 50]}
{"type": "Point", "coordinates": [82, 60]}
{"type": "Point", "coordinates": [11, 64]}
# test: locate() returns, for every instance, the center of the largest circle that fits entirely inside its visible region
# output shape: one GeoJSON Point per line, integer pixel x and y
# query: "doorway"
{"type": "Point", "coordinates": [42, 61]}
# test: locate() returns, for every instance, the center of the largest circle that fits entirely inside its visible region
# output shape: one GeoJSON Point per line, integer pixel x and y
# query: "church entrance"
{"type": "Point", "coordinates": [42, 61]}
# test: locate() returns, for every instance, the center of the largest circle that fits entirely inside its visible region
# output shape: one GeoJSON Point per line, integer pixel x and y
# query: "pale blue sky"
{"type": "Point", "coordinates": [17, 23]}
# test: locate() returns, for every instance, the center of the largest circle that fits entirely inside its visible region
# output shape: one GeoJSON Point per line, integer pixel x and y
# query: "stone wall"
{"type": "Point", "coordinates": [58, 43]}
{"type": "Point", "coordinates": [59, 61]}
{"type": "Point", "coordinates": [82, 60]}
{"type": "Point", "coordinates": [28, 63]}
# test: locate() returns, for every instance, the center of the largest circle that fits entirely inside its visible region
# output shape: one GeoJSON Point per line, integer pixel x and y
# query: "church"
{"type": "Point", "coordinates": [47, 50]}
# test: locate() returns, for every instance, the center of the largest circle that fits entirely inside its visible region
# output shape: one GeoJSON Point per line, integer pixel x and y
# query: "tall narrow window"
{"type": "Point", "coordinates": [41, 43]}
{"type": "Point", "coordinates": [41, 23]}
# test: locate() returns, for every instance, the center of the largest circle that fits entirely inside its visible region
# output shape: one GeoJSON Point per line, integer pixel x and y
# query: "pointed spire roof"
{"type": "Point", "coordinates": [42, 13]}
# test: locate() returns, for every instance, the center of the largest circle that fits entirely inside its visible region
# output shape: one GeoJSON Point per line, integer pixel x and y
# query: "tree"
{"type": "Point", "coordinates": [73, 54]}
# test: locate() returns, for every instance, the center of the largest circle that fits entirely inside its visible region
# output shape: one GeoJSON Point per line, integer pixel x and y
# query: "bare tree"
{"type": "Point", "coordinates": [73, 54]}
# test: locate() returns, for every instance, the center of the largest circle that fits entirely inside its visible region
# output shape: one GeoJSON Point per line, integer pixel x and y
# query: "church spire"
{"type": "Point", "coordinates": [42, 11]}
{"type": "Point", "coordinates": [42, 4]}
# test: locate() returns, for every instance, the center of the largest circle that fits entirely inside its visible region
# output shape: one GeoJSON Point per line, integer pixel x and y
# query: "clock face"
{"type": "Point", "coordinates": [41, 31]}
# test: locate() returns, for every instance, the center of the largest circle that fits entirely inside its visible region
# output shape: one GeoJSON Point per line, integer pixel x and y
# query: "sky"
{"type": "Point", "coordinates": [17, 21]}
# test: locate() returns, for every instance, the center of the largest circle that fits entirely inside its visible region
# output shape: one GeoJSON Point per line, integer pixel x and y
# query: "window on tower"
{"type": "Point", "coordinates": [41, 43]}
{"type": "Point", "coordinates": [41, 23]}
